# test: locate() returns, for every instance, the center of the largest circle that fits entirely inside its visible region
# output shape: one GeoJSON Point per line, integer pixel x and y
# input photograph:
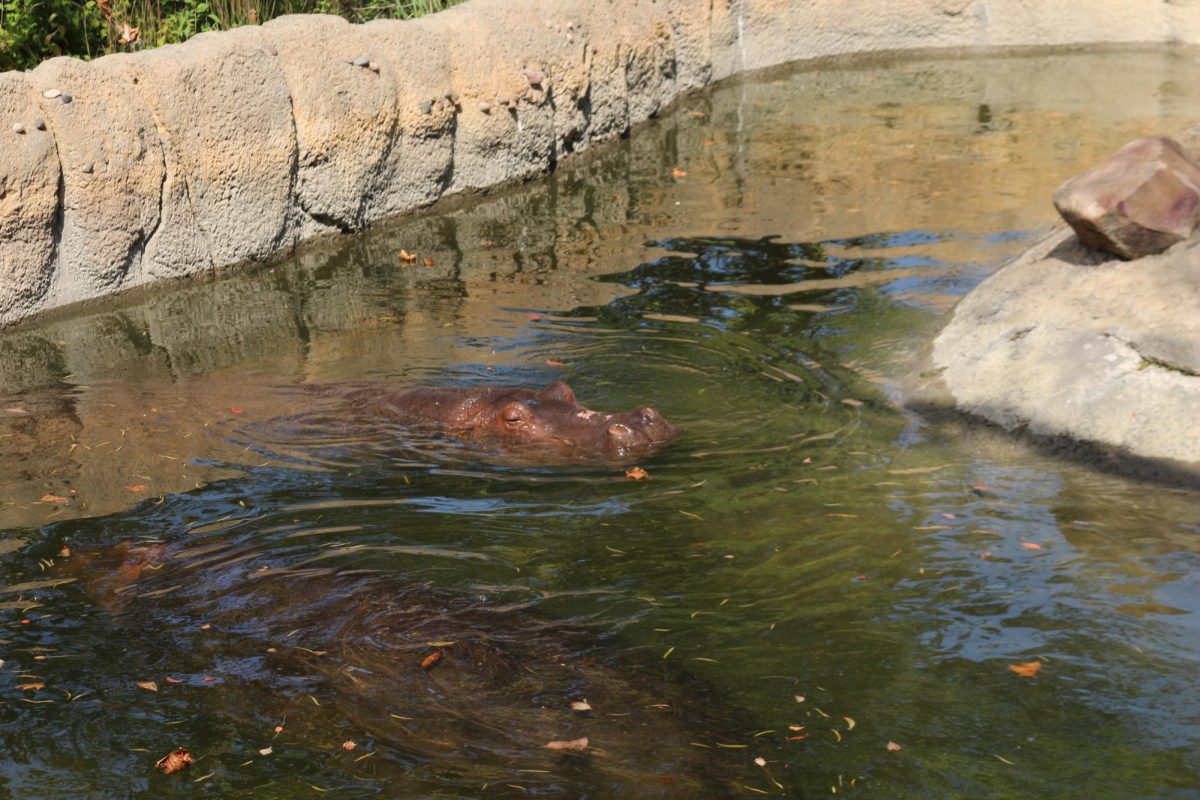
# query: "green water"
{"type": "Point", "coordinates": [815, 593]}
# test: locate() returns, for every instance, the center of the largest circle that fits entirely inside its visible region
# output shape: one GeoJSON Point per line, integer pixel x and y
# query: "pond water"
{"type": "Point", "coordinates": [816, 591]}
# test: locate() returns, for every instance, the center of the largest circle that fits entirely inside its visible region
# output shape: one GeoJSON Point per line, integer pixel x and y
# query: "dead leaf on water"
{"type": "Point", "coordinates": [893, 746]}
{"type": "Point", "coordinates": [1026, 670]}
{"type": "Point", "coordinates": [1031, 545]}
{"type": "Point", "coordinates": [174, 761]}
{"type": "Point", "coordinates": [407, 257]}
{"type": "Point", "coordinates": [53, 498]}
{"type": "Point", "coordinates": [577, 745]}
{"type": "Point", "coordinates": [28, 687]}
{"type": "Point", "coordinates": [678, 173]}
{"type": "Point", "coordinates": [149, 686]}
{"type": "Point", "coordinates": [581, 705]}
{"type": "Point", "coordinates": [636, 474]}
{"type": "Point", "coordinates": [431, 660]}
{"type": "Point", "coordinates": [349, 744]}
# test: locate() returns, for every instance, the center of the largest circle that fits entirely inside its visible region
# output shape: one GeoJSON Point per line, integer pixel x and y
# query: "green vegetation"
{"type": "Point", "coordinates": [34, 30]}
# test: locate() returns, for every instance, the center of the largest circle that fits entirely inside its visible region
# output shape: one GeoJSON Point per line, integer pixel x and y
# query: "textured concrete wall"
{"type": "Point", "coordinates": [237, 146]}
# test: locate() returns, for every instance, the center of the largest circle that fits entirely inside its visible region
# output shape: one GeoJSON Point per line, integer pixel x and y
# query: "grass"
{"type": "Point", "coordinates": [34, 30]}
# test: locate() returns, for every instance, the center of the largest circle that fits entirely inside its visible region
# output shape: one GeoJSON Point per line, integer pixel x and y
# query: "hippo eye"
{"type": "Point", "coordinates": [619, 431]}
{"type": "Point", "coordinates": [514, 413]}
{"type": "Point", "coordinates": [646, 415]}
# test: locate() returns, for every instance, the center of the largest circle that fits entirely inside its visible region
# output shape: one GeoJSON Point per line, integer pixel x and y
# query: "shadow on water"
{"type": "Point", "coordinates": [817, 591]}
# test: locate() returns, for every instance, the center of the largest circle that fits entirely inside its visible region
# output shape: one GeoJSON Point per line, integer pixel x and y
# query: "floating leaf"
{"type": "Point", "coordinates": [581, 705]}
{"type": "Point", "coordinates": [53, 498]}
{"type": "Point", "coordinates": [762, 762]}
{"type": "Point", "coordinates": [578, 745]}
{"type": "Point", "coordinates": [1031, 545]}
{"type": "Point", "coordinates": [174, 761]}
{"type": "Point", "coordinates": [1026, 670]}
{"type": "Point", "coordinates": [636, 474]}
{"type": "Point", "coordinates": [893, 746]}
{"type": "Point", "coordinates": [149, 686]}
{"type": "Point", "coordinates": [278, 729]}
{"type": "Point", "coordinates": [799, 698]}
{"type": "Point", "coordinates": [550, 362]}
{"type": "Point", "coordinates": [137, 487]}
{"type": "Point", "coordinates": [266, 751]}
{"type": "Point", "coordinates": [428, 262]}
{"type": "Point", "coordinates": [171, 680]}
{"type": "Point", "coordinates": [849, 723]}
{"type": "Point", "coordinates": [407, 257]}
{"type": "Point", "coordinates": [349, 744]}
{"type": "Point", "coordinates": [678, 173]}
{"type": "Point", "coordinates": [430, 660]}
{"type": "Point", "coordinates": [31, 686]}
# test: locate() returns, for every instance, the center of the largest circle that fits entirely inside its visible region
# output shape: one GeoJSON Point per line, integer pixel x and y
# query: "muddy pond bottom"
{"type": "Point", "coordinates": [813, 592]}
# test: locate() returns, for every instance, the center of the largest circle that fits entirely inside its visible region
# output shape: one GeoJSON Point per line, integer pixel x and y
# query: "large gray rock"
{"type": "Point", "coordinates": [29, 174]}
{"type": "Point", "coordinates": [225, 119]}
{"type": "Point", "coordinates": [343, 92]}
{"type": "Point", "coordinates": [112, 172]}
{"type": "Point", "coordinates": [1064, 343]}
{"type": "Point", "coordinates": [1138, 202]}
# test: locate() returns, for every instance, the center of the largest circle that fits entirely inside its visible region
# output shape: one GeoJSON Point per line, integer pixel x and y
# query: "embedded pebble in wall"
{"type": "Point", "coordinates": [373, 66]}
{"type": "Point", "coordinates": [362, 61]}
{"type": "Point", "coordinates": [50, 94]}
{"type": "Point", "coordinates": [504, 100]}
{"type": "Point", "coordinates": [426, 107]}
{"type": "Point", "coordinates": [18, 128]}
{"type": "Point", "coordinates": [40, 124]}
{"type": "Point", "coordinates": [485, 106]}
{"type": "Point", "coordinates": [534, 76]}
{"type": "Point", "coordinates": [345, 60]}
{"type": "Point", "coordinates": [270, 50]}
{"type": "Point", "coordinates": [66, 98]}
{"type": "Point", "coordinates": [88, 168]}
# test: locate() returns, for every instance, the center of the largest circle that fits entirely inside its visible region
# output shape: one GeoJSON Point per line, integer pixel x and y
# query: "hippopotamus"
{"type": "Point", "coordinates": [448, 690]}
{"type": "Point", "coordinates": [549, 422]}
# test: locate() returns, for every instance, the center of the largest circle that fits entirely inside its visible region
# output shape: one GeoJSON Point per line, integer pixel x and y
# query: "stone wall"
{"type": "Point", "coordinates": [237, 146]}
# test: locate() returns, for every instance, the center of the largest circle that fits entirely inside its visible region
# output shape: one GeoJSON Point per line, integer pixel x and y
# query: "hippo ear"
{"type": "Point", "coordinates": [557, 391]}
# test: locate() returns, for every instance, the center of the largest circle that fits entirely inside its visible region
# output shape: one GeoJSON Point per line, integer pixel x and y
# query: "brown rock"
{"type": "Point", "coordinates": [1140, 201]}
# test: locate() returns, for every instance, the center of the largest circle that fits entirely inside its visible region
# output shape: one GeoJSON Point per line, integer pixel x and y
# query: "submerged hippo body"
{"type": "Point", "coordinates": [550, 421]}
{"type": "Point", "coordinates": [447, 690]}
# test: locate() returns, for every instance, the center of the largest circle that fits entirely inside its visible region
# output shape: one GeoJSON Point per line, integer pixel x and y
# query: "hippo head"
{"type": "Point", "coordinates": [555, 420]}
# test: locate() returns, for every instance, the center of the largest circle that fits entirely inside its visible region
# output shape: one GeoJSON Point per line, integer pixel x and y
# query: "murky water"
{"type": "Point", "coordinates": [816, 592]}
